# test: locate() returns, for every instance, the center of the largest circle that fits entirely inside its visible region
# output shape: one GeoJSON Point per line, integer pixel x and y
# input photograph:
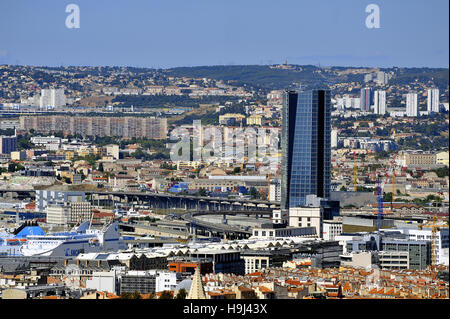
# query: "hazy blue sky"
{"type": "Point", "coordinates": [168, 33]}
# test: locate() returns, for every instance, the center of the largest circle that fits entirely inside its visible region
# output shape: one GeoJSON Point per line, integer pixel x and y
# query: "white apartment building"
{"type": "Point", "coordinates": [275, 191]}
{"type": "Point", "coordinates": [166, 281]}
{"type": "Point", "coordinates": [112, 150]}
{"type": "Point", "coordinates": [334, 138]}
{"type": "Point", "coordinates": [280, 216]}
{"type": "Point", "coordinates": [104, 281]}
{"type": "Point", "coordinates": [307, 217]}
{"type": "Point", "coordinates": [380, 102]}
{"type": "Point", "coordinates": [412, 106]}
{"type": "Point", "coordinates": [43, 140]}
{"type": "Point", "coordinates": [53, 98]}
{"type": "Point", "coordinates": [57, 214]}
{"type": "Point", "coordinates": [331, 229]}
{"type": "Point", "coordinates": [433, 101]}
{"type": "Point", "coordinates": [256, 263]}
{"type": "Point", "coordinates": [108, 280]}
{"type": "Point", "coordinates": [382, 78]}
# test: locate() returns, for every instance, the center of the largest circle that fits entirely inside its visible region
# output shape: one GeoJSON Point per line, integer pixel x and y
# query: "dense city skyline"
{"type": "Point", "coordinates": [305, 158]}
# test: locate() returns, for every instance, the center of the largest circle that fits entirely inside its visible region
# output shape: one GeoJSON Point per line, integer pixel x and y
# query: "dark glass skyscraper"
{"type": "Point", "coordinates": [306, 146]}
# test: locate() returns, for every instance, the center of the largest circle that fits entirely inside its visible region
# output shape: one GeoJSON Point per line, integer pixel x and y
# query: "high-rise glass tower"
{"type": "Point", "coordinates": [306, 146]}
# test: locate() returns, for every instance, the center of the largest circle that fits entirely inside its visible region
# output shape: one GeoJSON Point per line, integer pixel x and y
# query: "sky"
{"type": "Point", "coordinates": [171, 33]}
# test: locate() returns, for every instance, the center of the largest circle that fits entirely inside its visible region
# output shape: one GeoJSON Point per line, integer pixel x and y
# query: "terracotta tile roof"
{"type": "Point", "coordinates": [264, 289]}
{"type": "Point", "coordinates": [293, 282]}
{"type": "Point", "coordinates": [107, 295]}
{"type": "Point", "coordinates": [254, 274]}
{"type": "Point", "coordinates": [347, 286]}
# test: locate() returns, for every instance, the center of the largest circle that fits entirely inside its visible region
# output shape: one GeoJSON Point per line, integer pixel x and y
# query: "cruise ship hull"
{"type": "Point", "coordinates": [70, 249]}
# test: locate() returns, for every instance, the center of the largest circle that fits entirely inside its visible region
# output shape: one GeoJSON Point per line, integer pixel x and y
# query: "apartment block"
{"type": "Point", "coordinates": [148, 127]}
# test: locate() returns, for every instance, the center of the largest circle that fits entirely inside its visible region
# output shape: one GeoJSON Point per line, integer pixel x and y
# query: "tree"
{"type": "Point", "coordinates": [13, 167]}
{"type": "Point", "coordinates": [150, 296]}
{"type": "Point", "coordinates": [182, 294]}
{"type": "Point", "coordinates": [253, 192]}
{"type": "Point", "coordinates": [129, 295]}
{"type": "Point", "coordinates": [136, 295]}
{"type": "Point", "coordinates": [125, 295]}
{"type": "Point", "coordinates": [166, 295]}
{"type": "Point", "coordinates": [202, 192]}
{"type": "Point", "coordinates": [387, 197]}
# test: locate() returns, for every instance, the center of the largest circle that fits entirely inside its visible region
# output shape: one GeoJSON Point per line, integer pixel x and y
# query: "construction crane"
{"type": "Point", "coordinates": [434, 229]}
{"type": "Point", "coordinates": [392, 173]}
{"type": "Point", "coordinates": [380, 189]}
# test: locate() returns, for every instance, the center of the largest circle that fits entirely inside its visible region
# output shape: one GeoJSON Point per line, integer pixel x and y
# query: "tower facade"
{"type": "Point", "coordinates": [306, 146]}
{"type": "Point", "coordinates": [366, 99]}
{"type": "Point", "coordinates": [379, 101]}
{"type": "Point", "coordinates": [433, 101]}
{"type": "Point", "coordinates": [412, 106]}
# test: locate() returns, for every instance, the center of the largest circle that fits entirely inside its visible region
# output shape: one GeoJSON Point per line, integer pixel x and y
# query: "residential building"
{"type": "Point", "coordinates": [46, 197]}
{"type": "Point", "coordinates": [307, 217]}
{"type": "Point", "coordinates": [334, 138]}
{"type": "Point", "coordinates": [416, 159]}
{"type": "Point", "coordinates": [442, 158]}
{"type": "Point", "coordinates": [79, 211]}
{"type": "Point", "coordinates": [331, 229]}
{"type": "Point", "coordinates": [433, 100]}
{"type": "Point", "coordinates": [127, 126]}
{"type": "Point", "coordinates": [280, 216]}
{"type": "Point", "coordinates": [53, 98]}
{"type": "Point", "coordinates": [254, 120]}
{"type": "Point", "coordinates": [412, 105]}
{"type": "Point", "coordinates": [275, 190]}
{"type": "Point", "coordinates": [8, 144]}
{"type": "Point", "coordinates": [366, 99]}
{"type": "Point", "coordinates": [141, 281]}
{"type": "Point", "coordinates": [382, 78]}
{"type": "Point", "coordinates": [419, 250]}
{"type": "Point", "coordinates": [57, 214]}
{"type": "Point", "coordinates": [379, 102]}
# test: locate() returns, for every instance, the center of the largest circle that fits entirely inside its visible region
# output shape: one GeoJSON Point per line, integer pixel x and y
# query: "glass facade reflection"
{"type": "Point", "coordinates": [306, 146]}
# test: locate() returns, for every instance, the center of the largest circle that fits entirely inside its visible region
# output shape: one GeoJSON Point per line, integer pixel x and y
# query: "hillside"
{"type": "Point", "coordinates": [268, 78]}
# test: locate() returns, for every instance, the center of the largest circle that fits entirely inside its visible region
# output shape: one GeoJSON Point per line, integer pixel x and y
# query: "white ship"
{"type": "Point", "coordinates": [82, 239]}
{"type": "Point", "coordinates": [9, 245]}
{"type": "Point", "coordinates": [12, 240]}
